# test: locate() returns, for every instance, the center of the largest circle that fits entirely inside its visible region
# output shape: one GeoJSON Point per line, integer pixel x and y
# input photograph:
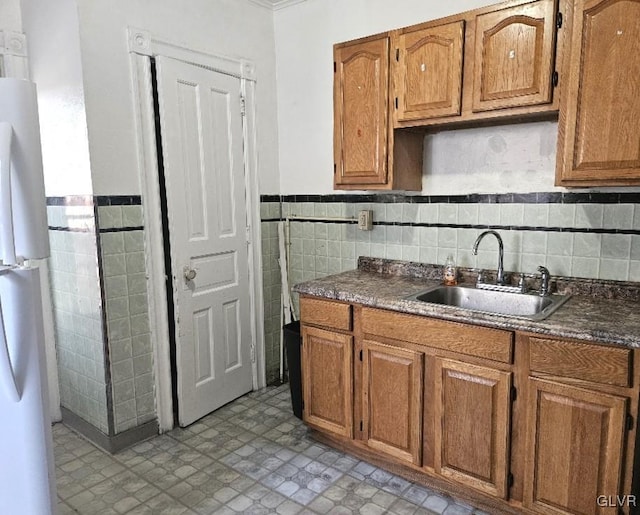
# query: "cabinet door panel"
{"type": "Point", "coordinates": [361, 112]}
{"type": "Point", "coordinates": [514, 56]}
{"type": "Point", "coordinates": [601, 127]}
{"type": "Point", "coordinates": [472, 436]}
{"type": "Point", "coordinates": [327, 376]}
{"type": "Point", "coordinates": [393, 400]}
{"type": "Point", "coordinates": [429, 72]}
{"type": "Point", "coordinates": [574, 448]}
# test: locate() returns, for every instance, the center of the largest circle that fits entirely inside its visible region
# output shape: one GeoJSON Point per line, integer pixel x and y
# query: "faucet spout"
{"type": "Point", "coordinates": [500, 277]}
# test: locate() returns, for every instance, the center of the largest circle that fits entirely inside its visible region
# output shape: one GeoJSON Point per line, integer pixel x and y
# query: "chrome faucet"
{"type": "Point", "coordinates": [500, 277]}
{"type": "Point", "coordinates": [545, 276]}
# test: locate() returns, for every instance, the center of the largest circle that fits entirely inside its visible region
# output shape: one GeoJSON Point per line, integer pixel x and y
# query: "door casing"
{"type": "Point", "coordinates": [142, 46]}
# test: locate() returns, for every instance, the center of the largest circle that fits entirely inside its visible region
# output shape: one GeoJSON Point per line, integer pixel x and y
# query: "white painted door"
{"type": "Point", "coordinates": [202, 136]}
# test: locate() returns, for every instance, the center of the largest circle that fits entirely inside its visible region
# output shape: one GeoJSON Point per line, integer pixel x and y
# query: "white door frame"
{"type": "Point", "coordinates": [142, 46]}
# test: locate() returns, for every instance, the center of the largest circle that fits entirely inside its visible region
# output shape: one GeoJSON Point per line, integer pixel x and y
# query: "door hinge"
{"type": "Point", "coordinates": [253, 353]}
{"type": "Point", "coordinates": [302, 405]}
{"type": "Point", "coordinates": [361, 425]}
{"type": "Point", "coordinates": [514, 393]}
{"type": "Point", "coordinates": [335, 169]}
{"type": "Point", "coordinates": [396, 102]}
{"type": "Point", "coordinates": [360, 355]}
{"type": "Point", "coordinates": [510, 480]}
{"type": "Point", "coordinates": [554, 79]}
{"type": "Point", "coordinates": [559, 20]}
{"type": "Point", "coordinates": [243, 105]}
{"type": "Point", "coordinates": [629, 422]}
{"type": "Point", "coordinates": [397, 54]}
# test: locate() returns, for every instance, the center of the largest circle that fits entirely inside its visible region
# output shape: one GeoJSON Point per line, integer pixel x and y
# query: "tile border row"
{"type": "Point", "coordinates": [530, 228]}
{"type": "Point", "coordinates": [91, 229]}
{"type": "Point", "coordinates": [71, 229]}
{"type": "Point", "coordinates": [98, 200]}
{"type": "Point", "coordinates": [552, 197]}
{"type": "Point", "coordinates": [99, 230]}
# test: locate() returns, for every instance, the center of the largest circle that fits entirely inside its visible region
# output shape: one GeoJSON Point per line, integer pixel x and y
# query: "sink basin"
{"type": "Point", "coordinates": [520, 305]}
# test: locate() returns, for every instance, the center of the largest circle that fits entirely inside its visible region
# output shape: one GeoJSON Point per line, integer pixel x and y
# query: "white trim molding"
{"type": "Point", "coordinates": [276, 5]}
{"type": "Point", "coordinates": [141, 42]}
{"type": "Point", "coordinates": [143, 45]}
{"type": "Point", "coordinates": [13, 55]}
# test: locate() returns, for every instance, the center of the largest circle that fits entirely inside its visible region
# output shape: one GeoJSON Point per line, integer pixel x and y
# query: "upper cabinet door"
{"type": "Point", "coordinates": [514, 55]}
{"type": "Point", "coordinates": [428, 72]}
{"type": "Point", "coordinates": [361, 107]}
{"type": "Point", "coordinates": [599, 133]}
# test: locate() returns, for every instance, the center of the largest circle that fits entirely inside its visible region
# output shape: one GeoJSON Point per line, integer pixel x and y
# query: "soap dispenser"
{"type": "Point", "coordinates": [450, 272]}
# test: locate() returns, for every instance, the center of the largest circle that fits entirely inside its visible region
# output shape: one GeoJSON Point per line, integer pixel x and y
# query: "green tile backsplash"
{"type": "Point", "coordinates": [571, 234]}
{"type": "Point", "coordinates": [127, 315]}
{"type": "Point", "coordinates": [99, 286]}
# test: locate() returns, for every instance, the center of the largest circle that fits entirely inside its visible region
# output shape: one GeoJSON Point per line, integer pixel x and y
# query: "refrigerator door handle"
{"type": "Point", "coordinates": [7, 376]}
{"type": "Point", "coordinates": [7, 240]}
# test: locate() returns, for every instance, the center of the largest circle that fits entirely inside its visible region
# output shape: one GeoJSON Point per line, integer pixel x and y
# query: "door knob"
{"type": "Point", "coordinates": [189, 273]}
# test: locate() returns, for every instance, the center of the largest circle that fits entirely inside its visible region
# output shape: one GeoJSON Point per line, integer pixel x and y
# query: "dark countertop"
{"type": "Point", "coordinates": [614, 321]}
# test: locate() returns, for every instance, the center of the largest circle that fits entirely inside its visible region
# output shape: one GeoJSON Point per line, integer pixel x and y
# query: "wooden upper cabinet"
{"type": "Point", "coordinates": [361, 98]}
{"type": "Point", "coordinates": [392, 379]}
{"type": "Point", "coordinates": [472, 410]}
{"type": "Point", "coordinates": [327, 364]}
{"type": "Point", "coordinates": [428, 72]}
{"type": "Point", "coordinates": [575, 445]}
{"type": "Point", "coordinates": [368, 153]}
{"type": "Point", "coordinates": [599, 132]}
{"type": "Point", "coordinates": [514, 56]}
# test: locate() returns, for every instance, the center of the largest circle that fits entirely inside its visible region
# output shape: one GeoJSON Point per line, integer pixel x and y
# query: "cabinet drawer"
{"type": "Point", "coordinates": [584, 361]}
{"type": "Point", "coordinates": [481, 342]}
{"type": "Point", "coordinates": [325, 313]}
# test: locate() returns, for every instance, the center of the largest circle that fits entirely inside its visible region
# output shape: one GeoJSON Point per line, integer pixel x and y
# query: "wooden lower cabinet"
{"type": "Point", "coordinates": [392, 398]}
{"type": "Point", "coordinates": [472, 413]}
{"type": "Point", "coordinates": [436, 402]}
{"type": "Point", "coordinates": [327, 380]}
{"type": "Point", "coordinates": [575, 450]}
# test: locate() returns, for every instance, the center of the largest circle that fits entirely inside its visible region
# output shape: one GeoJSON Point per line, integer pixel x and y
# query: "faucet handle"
{"type": "Point", "coordinates": [480, 278]}
{"type": "Point", "coordinates": [521, 284]}
{"type": "Point", "coordinates": [545, 277]}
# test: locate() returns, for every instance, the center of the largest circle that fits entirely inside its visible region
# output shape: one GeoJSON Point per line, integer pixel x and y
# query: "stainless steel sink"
{"type": "Point", "coordinates": [520, 305]}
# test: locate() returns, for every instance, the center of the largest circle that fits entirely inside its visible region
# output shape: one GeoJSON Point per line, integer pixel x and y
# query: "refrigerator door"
{"type": "Point", "coordinates": [27, 477]}
{"type": "Point", "coordinates": [21, 157]}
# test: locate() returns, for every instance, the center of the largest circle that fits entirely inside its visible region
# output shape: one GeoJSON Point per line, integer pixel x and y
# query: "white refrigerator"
{"type": "Point", "coordinates": [27, 475]}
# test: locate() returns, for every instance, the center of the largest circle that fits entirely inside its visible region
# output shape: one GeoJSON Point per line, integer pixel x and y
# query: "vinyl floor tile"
{"type": "Point", "coordinates": [251, 456]}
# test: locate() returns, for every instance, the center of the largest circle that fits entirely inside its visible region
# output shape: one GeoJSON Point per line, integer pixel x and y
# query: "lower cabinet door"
{"type": "Point", "coordinates": [574, 449]}
{"type": "Point", "coordinates": [472, 413]}
{"type": "Point", "coordinates": [392, 379]}
{"type": "Point", "coordinates": [327, 380]}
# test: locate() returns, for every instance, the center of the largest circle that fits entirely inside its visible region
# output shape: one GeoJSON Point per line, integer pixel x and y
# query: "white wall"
{"type": "Point", "coordinates": [10, 18]}
{"type": "Point", "coordinates": [235, 28]}
{"type": "Point", "coordinates": [510, 158]}
{"type": "Point", "coordinates": [54, 60]}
